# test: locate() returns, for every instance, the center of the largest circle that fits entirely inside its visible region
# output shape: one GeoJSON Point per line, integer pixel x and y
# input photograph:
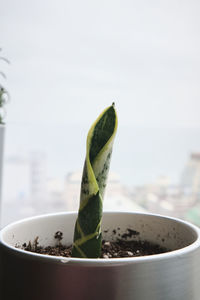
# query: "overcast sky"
{"type": "Point", "coordinates": [70, 59]}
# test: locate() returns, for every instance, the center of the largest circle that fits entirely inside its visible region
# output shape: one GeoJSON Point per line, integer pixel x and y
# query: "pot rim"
{"type": "Point", "coordinates": [102, 261]}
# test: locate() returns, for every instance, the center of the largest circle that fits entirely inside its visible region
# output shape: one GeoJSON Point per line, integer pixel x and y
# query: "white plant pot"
{"type": "Point", "coordinates": [2, 130]}
{"type": "Point", "coordinates": [173, 275]}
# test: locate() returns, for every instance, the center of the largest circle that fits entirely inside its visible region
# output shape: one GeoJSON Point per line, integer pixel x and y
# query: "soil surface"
{"type": "Point", "coordinates": [110, 249]}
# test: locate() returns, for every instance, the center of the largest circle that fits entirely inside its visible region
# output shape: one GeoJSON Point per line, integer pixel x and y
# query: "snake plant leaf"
{"type": "Point", "coordinates": [87, 233]}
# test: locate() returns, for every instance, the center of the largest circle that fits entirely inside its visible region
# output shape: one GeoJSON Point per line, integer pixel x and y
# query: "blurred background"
{"type": "Point", "coordinates": [71, 59]}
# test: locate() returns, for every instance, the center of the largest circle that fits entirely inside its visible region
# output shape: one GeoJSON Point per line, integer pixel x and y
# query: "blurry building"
{"type": "Point", "coordinates": [190, 179]}
{"type": "Point", "coordinates": [16, 202]}
{"type": "Point", "coordinates": [16, 179]}
{"type": "Point", "coordinates": [72, 190]}
{"type": "Point", "coordinates": [38, 175]}
{"type": "Point", "coordinates": [162, 197]}
{"type": "Point", "coordinates": [55, 192]}
{"type": "Point", "coordinates": [24, 186]}
{"type": "Point", "coordinates": [190, 183]}
{"type": "Point", "coordinates": [193, 215]}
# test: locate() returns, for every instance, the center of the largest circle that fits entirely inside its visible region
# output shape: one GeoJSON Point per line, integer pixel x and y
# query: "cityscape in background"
{"type": "Point", "coordinates": [34, 192]}
{"type": "Point", "coordinates": [152, 74]}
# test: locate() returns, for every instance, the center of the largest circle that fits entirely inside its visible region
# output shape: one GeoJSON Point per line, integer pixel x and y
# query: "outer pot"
{"type": "Point", "coordinates": [170, 276]}
{"type": "Point", "coordinates": [2, 130]}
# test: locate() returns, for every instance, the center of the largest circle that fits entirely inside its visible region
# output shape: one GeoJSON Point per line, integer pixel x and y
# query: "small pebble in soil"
{"type": "Point", "coordinates": [58, 235]}
{"type": "Point", "coordinates": [130, 253]}
{"type": "Point", "coordinates": [107, 244]}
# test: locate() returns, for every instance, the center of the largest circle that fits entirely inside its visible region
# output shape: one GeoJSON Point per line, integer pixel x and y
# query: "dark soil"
{"type": "Point", "coordinates": [110, 249]}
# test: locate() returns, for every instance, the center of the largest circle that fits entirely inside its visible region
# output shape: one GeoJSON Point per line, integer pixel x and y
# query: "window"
{"type": "Point", "coordinates": [69, 62]}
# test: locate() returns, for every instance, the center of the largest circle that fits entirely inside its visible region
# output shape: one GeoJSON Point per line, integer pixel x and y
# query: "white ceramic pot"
{"type": "Point", "coordinates": [2, 130]}
{"type": "Point", "coordinates": [173, 275]}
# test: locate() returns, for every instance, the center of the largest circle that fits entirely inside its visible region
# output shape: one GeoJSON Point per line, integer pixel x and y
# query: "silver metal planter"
{"type": "Point", "coordinates": [173, 275]}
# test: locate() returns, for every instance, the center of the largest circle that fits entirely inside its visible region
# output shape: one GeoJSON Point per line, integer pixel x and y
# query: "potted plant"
{"type": "Point", "coordinates": [172, 275]}
{"type": "Point", "coordinates": [3, 99]}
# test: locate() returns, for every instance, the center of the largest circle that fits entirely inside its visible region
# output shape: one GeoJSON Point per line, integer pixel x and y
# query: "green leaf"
{"type": "Point", "coordinates": [87, 233]}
